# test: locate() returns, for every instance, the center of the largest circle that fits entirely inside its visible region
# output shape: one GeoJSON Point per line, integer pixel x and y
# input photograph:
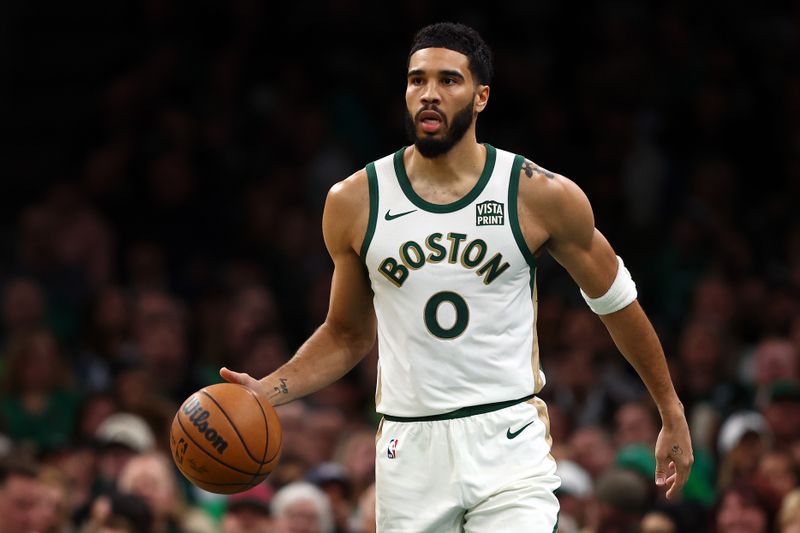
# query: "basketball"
{"type": "Point", "coordinates": [224, 439]}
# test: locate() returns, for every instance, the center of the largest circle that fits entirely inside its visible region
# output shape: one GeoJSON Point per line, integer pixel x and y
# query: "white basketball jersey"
{"type": "Point", "coordinates": [452, 292]}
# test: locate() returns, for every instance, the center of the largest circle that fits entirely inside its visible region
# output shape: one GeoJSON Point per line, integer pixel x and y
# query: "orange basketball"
{"type": "Point", "coordinates": [224, 439]}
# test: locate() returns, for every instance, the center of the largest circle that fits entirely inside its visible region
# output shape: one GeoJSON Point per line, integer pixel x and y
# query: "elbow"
{"type": "Point", "coordinates": [358, 341]}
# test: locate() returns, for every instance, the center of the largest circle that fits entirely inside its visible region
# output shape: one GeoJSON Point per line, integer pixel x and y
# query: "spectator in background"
{"type": "Point", "coordinates": [126, 512]}
{"type": "Point", "coordinates": [789, 513]}
{"type": "Point", "coordinates": [635, 423]}
{"type": "Point", "coordinates": [591, 448]}
{"type": "Point", "coordinates": [120, 438]}
{"type": "Point", "coordinates": [621, 499]}
{"type": "Point", "coordinates": [573, 495]}
{"type": "Point", "coordinates": [777, 473]}
{"type": "Point", "coordinates": [782, 412]}
{"type": "Point", "coordinates": [301, 507]}
{"type": "Point", "coordinates": [333, 480]}
{"type": "Point", "coordinates": [78, 464]}
{"type": "Point", "coordinates": [658, 521]}
{"type": "Point", "coordinates": [23, 307]}
{"type": "Point", "coordinates": [743, 437]}
{"type": "Point", "coordinates": [54, 512]}
{"type": "Point", "coordinates": [107, 342]}
{"type": "Point", "coordinates": [151, 476]}
{"type": "Point", "coordinates": [21, 494]}
{"type": "Point", "coordinates": [742, 509]}
{"type": "Point", "coordinates": [39, 406]}
{"type": "Point", "coordinates": [249, 511]}
{"type": "Point", "coordinates": [775, 359]}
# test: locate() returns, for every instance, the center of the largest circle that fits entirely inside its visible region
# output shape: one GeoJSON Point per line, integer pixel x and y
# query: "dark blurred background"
{"type": "Point", "coordinates": [165, 167]}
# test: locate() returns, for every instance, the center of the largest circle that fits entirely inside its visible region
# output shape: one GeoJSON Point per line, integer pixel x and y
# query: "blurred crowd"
{"type": "Point", "coordinates": [161, 218]}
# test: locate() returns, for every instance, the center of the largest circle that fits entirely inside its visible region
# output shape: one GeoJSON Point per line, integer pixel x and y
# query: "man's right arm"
{"type": "Point", "coordinates": [348, 332]}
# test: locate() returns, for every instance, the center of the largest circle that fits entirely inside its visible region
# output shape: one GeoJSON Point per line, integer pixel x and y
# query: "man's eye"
{"type": "Point", "coordinates": [449, 81]}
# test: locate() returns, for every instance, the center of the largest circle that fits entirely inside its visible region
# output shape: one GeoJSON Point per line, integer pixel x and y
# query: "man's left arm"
{"type": "Point", "coordinates": [558, 205]}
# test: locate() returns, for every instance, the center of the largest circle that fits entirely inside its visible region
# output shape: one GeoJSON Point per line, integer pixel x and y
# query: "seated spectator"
{"type": "Point", "coordinates": [301, 506]}
{"type": "Point", "coordinates": [575, 492]}
{"type": "Point", "coordinates": [40, 406]}
{"type": "Point", "coordinates": [743, 437]}
{"type": "Point", "coordinates": [777, 472]}
{"type": "Point", "coordinates": [789, 513]}
{"type": "Point", "coordinates": [333, 480]}
{"type": "Point", "coordinates": [120, 438]}
{"type": "Point", "coordinates": [249, 511]}
{"type": "Point", "coordinates": [21, 494]}
{"type": "Point", "coordinates": [742, 508]}
{"type": "Point", "coordinates": [151, 476]}
{"type": "Point", "coordinates": [782, 411]}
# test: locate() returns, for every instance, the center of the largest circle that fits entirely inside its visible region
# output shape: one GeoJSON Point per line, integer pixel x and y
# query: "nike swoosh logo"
{"type": "Point", "coordinates": [390, 216]}
{"type": "Point", "coordinates": [510, 435]}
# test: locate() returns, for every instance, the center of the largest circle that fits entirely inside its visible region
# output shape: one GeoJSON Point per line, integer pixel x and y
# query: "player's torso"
{"type": "Point", "coordinates": [452, 287]}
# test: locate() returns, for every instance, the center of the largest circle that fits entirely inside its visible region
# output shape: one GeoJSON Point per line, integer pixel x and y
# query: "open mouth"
{"type": "Point", "coordinates": [430, 121]}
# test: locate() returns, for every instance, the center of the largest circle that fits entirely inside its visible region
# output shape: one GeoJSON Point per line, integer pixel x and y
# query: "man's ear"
{"type": "Point", "coordinates": [481, 98]}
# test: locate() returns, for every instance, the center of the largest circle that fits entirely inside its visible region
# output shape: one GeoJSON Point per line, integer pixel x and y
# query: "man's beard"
{"type": "Point", "coordinates": [430, 147]}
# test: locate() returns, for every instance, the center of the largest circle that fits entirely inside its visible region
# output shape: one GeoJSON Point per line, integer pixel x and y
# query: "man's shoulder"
{"type": "Point", "coordinates": [351, 192]}
{"type": "Point", "coordinates": [538, 185]}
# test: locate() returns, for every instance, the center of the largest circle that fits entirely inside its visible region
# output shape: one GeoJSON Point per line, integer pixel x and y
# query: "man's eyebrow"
{"type": "Point", "coordinates": [420, 72]}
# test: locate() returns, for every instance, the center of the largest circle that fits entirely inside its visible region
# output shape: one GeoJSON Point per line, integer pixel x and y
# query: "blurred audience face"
{"type": "Point", "coordinates": [34, 364]}
{"type": "Point", "coordinates": [20, 501]}
{"type": "Point", "coordinates": [111, 312]}
{"type": "Point", "coordinates": [247, 520]}
{"type": "Point", "coordinates": [252, 309]}
{"type": "Point", "coordinates": [776, 359]}
{"type": "Point", "coordinates": [776, 471]}
{"type": "Point", "coordinates": [150, 476]}
{"type": "Point", "coordinates": [23, 305]}
{"type": "Point", "coordinates": [326, 428]}
{"type": "Point", "coordinates": [299, 517]}
{"type": "Point", "coordinates": [700, 351]}
{"type": "Point", "coordinates": [783, 417]}
{"type": "Point", "coordinates": [634, 424]}
{"type": "Point", "coordinates": [53, 512]}
{"type": "Point", "coordinates": [591, 448]}
{"type": "Point", "coordinates": [656, 522]}
{"type": "Point", "coordinates": [737, 514]}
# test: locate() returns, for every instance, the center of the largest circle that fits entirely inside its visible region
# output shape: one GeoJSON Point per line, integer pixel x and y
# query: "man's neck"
{"type": "Point", "coordinates": [464, 161]}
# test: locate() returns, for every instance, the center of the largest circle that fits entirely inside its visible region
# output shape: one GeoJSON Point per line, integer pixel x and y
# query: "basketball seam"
{"type": "Point", "coordinates": [180, 423]}
{"type": "Point", "coordinates": [235, 429]}
{"type": "Point", "coordinates": [248, 485]}
{"type": "Point", "coordinates": [266, 433]}
{"type": "Point", "coordinates": [274, 455]}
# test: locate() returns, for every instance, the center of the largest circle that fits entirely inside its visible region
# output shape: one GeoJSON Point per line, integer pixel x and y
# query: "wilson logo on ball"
{"type": "Point", "coordinates": [198, 417]}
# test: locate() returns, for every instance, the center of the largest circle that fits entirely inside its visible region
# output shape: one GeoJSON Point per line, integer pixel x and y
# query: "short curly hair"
{"type": "Point", "coordinates": [459, 38]}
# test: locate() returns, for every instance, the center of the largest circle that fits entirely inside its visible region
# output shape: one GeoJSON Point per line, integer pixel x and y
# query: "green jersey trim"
{"type": "Point", "coordinates": [513, 215]}
{"type": "Point", "coordinates": [460, 413]}
{"type": "Point", "coordinates": [408, 190]}
{"type": "Point", "coordinates": [372, 181]}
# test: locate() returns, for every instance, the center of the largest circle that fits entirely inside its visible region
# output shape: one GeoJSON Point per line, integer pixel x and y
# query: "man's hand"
{"type": "Point", "coordinates": [241, 378]}
{"type": "Point", "coordinates": [674, 455]}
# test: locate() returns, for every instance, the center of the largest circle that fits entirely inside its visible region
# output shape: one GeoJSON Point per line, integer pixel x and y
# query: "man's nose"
{"type": "Point", "coordinates": [430, 95]}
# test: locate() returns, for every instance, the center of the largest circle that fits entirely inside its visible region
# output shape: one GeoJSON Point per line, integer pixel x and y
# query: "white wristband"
{"type": "Point", "coordinates": [620, 295]}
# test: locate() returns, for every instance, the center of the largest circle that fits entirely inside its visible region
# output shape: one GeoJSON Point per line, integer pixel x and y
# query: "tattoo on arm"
{"type": "Point", "coordinates": [283, 389]}
{"type": "Point", "coordinates": [530, 167]}
{"type": "Point", "coordinates": [676, 450]}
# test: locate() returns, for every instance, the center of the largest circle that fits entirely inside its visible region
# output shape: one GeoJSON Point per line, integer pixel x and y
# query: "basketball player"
{"type": "Point", "coordinates": [434, 247]}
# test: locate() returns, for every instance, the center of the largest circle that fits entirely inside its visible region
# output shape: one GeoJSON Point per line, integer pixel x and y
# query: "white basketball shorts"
{"type": "Point", "coordinates": [467, 472]}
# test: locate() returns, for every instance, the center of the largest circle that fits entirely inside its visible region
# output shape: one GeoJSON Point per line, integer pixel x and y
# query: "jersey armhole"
{"type": "Point", "coordinates": [513, 215]}
{"type": "Point", "coordinates": [372, 181]}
